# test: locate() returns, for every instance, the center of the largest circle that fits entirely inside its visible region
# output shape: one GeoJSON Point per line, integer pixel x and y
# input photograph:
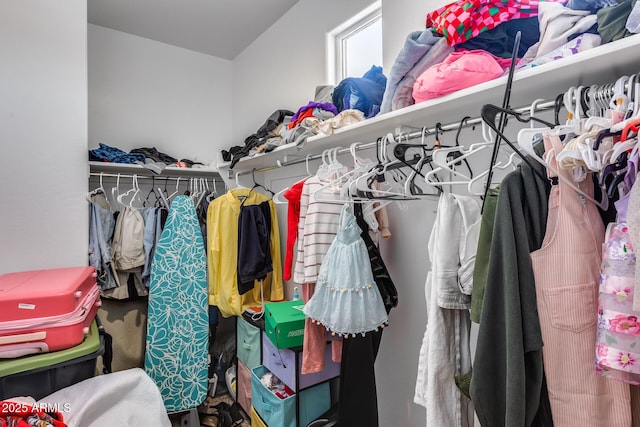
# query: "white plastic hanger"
{"type": "Point", "coordinates": [237, 179]}
{"type": "Point", "coordinates": [338, 187]}
{"type": "Point", "coordinates": [634, 95]}
{"type": "Point", "coordinates": [527, 146]}
{"type": "Point", "coordinates": [136, 193]}
{"type": "Point", "coordinates": [361, 181]}
{"type": "Point", "coordinates": [477, 184]}
{"type": "Point", "coordinates": [526, 135]}
{"type": "Point", "coordinates": [132, 193]}
{"type": "Point", "coordinates": [344, 181]}
{"type": "Point", "coordinates": [575, 151]}
{"type": "Point", "coordinates": [440, 159]}
{"type": "Point", "coordinates": [620, 98]}
{"type": "Point", "coordinates": [332, 176]}
{"type": "Point", "coordinates": [204, 191]}
{"type": "Point", "coordinates": [598, 111]}
{"type": "Point", "coordinates": [603, 204]}
{"type": "Point", "coordinates": [571, 156]}
{"type": "Point", "coordinates": [171, 196]}
{"type": "Point", "coordinates": [115, 192]}
{"type": "Point", "coordinates": [397, 183]}
{"type": "Point", "coordinates": [573, 105]}
{"type": "Point", "coordinates": [621, 147]}
{"type": "Point", "coordinates": [163, 198]}
{"type": "Point", "coordinates": [99, 191]}
{"type": "Point", "coordinates": [197, 191]}
{"type": "Point", "coordinates": [276, 197]}
{"type": "Point", "coordinates": [393, 188]}
{"type": "Point", "coordinates": [323, 169]}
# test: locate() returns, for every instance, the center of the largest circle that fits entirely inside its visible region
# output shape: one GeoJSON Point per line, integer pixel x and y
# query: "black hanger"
{"type": "Point", "coordinates": [605, 133]}
{"type": "Point", "coordinates": [613, 187]}
{"type": "Point", "coordinates": [152, 191]}
{"type": "Point", "coordinates": [256, 185]}
{"type": "Point", "coordinates": [610, 169]}
{"type": "Point", "coordinates": [503, 122]}
{"type": "Point", "coordinates": [165, 191]}
{"type": "Point", "coordinates": [489, 113]}
{"type": "Point", "coordinates": [455, 154]}
{"type": "Point", "coordinates": [584, 99]}
{"type": "Point", "coordinates": [400, 152]}
{"type": "Point", "coordinates": [438, 130]}
{"type": "Point", "coordinates": [462, 122]}
{"type": "Point", "coordinates": [379, 176]}
{"type": "Point", "coordinates": [557, 106]}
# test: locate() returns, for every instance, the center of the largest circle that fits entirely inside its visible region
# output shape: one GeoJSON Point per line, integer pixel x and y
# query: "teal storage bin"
{"type": "Point", "coordinates": [276, 412]}
{"type": "Point", "coordinates": [314, 401]}
{"type": "Point", "coordinates": [248, 343]}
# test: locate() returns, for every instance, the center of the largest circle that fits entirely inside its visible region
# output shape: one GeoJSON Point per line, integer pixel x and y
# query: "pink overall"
{"type": "Point", "coordinates": [566, 270]}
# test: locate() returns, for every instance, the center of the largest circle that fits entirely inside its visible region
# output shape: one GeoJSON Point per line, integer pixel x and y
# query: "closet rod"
{"type": "Point", "coordinates": [162, 178]}
{"type": "Point", "coordinates": [542, 106]}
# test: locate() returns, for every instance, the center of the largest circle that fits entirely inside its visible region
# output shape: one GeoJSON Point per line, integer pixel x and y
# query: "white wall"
{"type": "Point", "coordinates": [43, 134]}
{"type": "Point", "coordinates": [144, 93]}
{"type": "Point", "coordinates": [399, 18]}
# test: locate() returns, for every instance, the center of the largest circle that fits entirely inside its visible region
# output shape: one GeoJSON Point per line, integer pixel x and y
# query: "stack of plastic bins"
{"type": "Point", "coordinates": [42, 374]}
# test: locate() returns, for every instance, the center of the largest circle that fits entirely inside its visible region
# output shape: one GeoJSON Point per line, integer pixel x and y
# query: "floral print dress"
{"type": "Point", "coordinates": [618, 339]}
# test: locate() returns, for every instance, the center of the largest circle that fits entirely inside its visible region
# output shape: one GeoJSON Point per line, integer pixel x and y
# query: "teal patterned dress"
{"type": "Point", "coordinates": [178, 324]}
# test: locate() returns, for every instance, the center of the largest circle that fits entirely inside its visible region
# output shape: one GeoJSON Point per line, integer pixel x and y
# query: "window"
{"type": "Point", "coordinates": [356, 45]}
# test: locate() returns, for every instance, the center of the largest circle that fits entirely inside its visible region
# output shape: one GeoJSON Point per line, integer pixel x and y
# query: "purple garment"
{"type": "Point", "coordinates": [312, 104]}
{"type": "Point", "coordinates": [632, 169]}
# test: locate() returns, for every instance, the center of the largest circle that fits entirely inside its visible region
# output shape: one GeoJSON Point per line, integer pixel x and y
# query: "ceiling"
{"type": "Point", "coordinates": [221, 28]}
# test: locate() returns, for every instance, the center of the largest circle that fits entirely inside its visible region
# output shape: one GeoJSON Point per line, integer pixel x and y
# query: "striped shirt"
{"type": "Point", "coordinates": [317, 228]}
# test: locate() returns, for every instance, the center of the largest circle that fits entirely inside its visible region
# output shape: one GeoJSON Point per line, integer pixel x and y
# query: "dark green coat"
{"type": "Point", "coordinates": [508, 374]}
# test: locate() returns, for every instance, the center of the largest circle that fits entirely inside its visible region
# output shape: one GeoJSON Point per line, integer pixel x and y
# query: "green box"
{"type": "Point", "coordinates": [284, 323]}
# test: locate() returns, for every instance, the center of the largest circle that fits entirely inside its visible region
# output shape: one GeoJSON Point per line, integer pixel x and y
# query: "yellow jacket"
{"type": "Point", "coordinates": [222, 254]}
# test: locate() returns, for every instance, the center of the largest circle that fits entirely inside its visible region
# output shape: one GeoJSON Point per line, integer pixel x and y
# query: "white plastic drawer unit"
{"type": "Point", "coordinates": [282, 362]}
{"type": "Point", "coordinates": [248, 343]}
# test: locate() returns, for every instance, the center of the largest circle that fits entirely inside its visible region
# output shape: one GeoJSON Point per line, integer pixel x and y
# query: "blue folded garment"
{"type": "Point", "coordinates": [361, 93]}
{"type": "Point", "coordinates": [107, 153]}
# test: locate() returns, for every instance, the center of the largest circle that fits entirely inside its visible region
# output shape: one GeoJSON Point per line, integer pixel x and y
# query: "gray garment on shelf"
{"type": "Point", "coordinates": [403, 96]}
{"type": "Point", "coordinates": [416, 46]}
